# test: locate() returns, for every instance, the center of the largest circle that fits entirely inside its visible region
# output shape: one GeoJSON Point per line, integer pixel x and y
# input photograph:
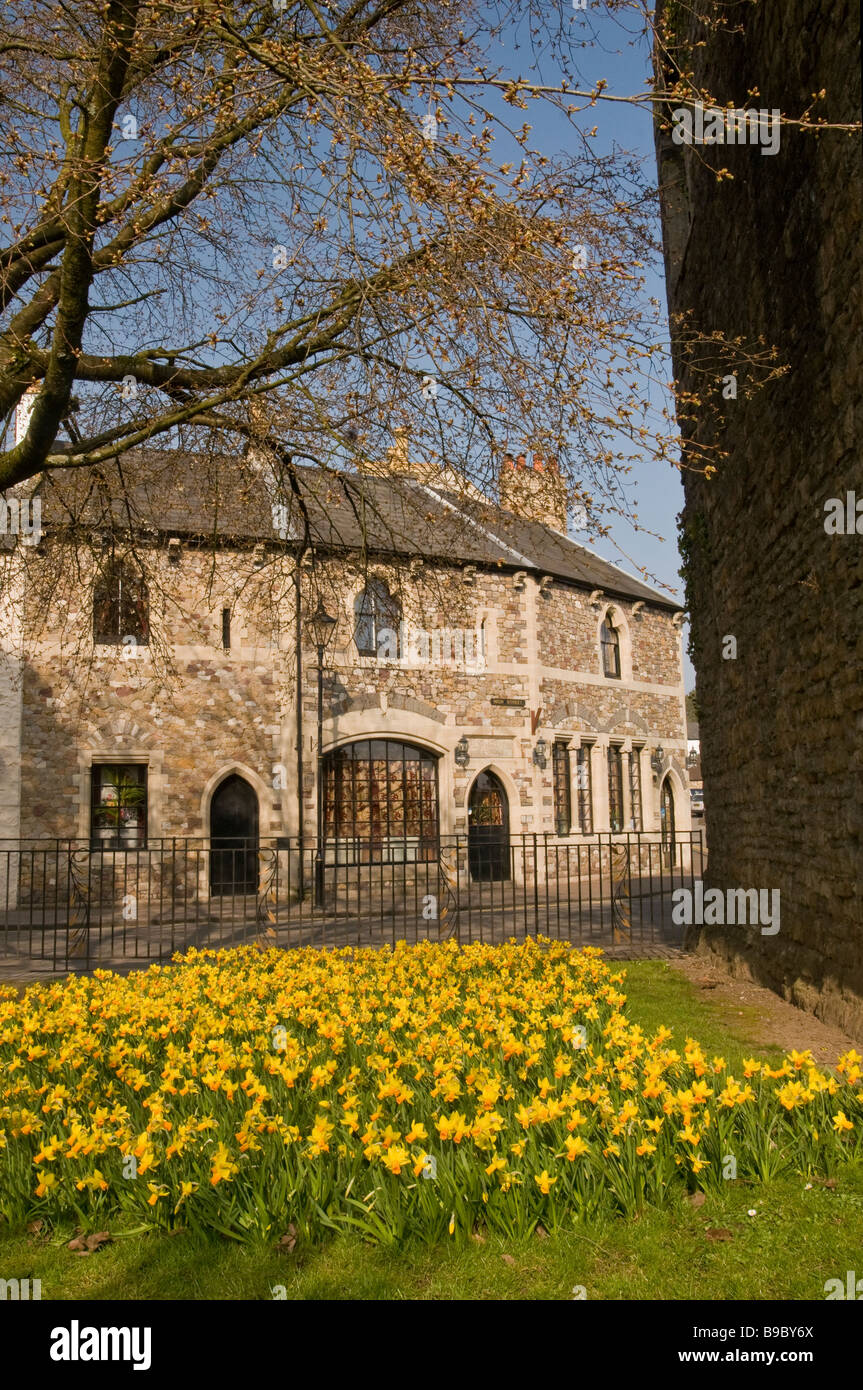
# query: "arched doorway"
{"type": "Point", "coordinates": [666, 819]}
{"type": "Point", "coordinates": [233, 838]}
{"type": "Point", "coordinates": [488, 829]}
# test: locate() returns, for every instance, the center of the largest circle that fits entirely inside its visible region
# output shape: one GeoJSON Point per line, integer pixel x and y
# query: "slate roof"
{"type": "Point", "coordinates": [197, 496]}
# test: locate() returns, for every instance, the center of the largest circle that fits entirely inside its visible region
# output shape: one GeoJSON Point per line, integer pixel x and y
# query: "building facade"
{"type": "Point", "coordinates": [481, 670]}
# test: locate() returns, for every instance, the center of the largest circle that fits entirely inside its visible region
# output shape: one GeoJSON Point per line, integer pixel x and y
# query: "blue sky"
{"type": "Point", "coordinates": [613, 48]}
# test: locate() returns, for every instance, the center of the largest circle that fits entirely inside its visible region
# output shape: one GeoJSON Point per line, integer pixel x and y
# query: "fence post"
{"type": "Point", "coordinates": [535, 884]}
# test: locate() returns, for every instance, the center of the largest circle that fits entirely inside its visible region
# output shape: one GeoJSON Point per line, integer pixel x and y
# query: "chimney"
{"type": "Point", "coordinates": [397, 462]}
{"type": "Point", "coordinates": [534, 490]}
{"type": "Point", "coordinates": [398, 457]}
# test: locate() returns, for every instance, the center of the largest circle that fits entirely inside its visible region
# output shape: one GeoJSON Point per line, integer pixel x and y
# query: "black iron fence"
{"type": "Point", "coordinates": [70, 904]}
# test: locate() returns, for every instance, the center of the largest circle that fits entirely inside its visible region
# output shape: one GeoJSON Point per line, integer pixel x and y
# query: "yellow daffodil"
{"type": "Point", "coordinates": [223, 1169]}
{"type": "Point", "coordinates": [575, 1146]}
{"type": "Point", "coordinates": [544, 1182]}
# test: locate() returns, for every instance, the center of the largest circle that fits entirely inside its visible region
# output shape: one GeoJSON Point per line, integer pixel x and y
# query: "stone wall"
{"type": "Point", "coordinates": [777, 250]}
{"type": "Point", "coordinates": [194, 711]}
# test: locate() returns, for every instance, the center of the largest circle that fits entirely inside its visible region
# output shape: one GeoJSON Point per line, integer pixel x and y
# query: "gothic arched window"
{"type": "Point", "coordinates": [378, 616]}
{"type": "Point", "coordinates": [120, 605]}
{"type": "Point", "coordinates": [610, 642]}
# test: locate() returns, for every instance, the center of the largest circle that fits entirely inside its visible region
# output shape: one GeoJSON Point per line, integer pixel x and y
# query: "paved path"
{"type": "Point", "coordinates": [121, 948]}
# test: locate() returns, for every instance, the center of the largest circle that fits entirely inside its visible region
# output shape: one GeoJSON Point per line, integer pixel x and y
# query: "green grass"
{"type": "Point", "coordinates": [657, 994]}
{"type": "Point", "coordinates": [796, 1241]}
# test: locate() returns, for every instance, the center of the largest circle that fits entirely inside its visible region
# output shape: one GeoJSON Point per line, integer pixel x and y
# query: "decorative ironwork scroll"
{"type": "Point", "coordinates": [621, 908]}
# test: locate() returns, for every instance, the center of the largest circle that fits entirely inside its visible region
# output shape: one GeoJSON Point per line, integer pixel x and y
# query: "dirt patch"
{"type": "Point", "coordinates": [770, 1021]}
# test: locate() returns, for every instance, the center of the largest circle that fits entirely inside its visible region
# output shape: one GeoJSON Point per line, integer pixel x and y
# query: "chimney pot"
{"type": "Point", "coordinates": [538, 493]}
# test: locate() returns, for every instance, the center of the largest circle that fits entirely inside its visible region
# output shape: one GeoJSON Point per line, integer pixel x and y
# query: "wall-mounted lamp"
{"type": "Point", "coordinates": [462, 752]}
{"type": "Point", "coordinates": [657, 760]}
{"type": "Point", "coordinates": [539, 757]}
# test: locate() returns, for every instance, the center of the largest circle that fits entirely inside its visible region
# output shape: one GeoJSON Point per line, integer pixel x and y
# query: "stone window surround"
{"type": "Point", "coordinates": [407, 727]}
{"type": "Point", "coordinates": [599, 744]}
{"type": "Point", "coordinates": [485, 614]}
{"type": "Point", "coordinates": [614, 615]}
{"type": "Point", "coordinates": [243, 642]}
{"type": "Point", "coordinates": [94, 753]}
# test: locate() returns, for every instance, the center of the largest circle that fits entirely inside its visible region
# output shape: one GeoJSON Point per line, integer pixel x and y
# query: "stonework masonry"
{"type": "Point", "coordinates": [195, 712]}
{"type": "Point", "coordinates": [777, 250]}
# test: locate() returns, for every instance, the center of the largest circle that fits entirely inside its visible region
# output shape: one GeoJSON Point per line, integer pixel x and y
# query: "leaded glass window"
{"type": "Point", "coordinates": [610, 642]}
{"type": "Point", "coordinates": [118, 806]}
{"type": "Point", "coordinates": [584, 779]}
{"type": "Point", "coordinates": [635, 789]}
{"type": "Point", "coordinates": [381, 802]}
{"type": "Point", "coordinates": [378, 617]}
{"type": "Point", "coordinates": [562, 795]}
{"type": "Point", "coordinates": [120, 608]}
{"type": "Point", "coordinates": [615, 788]}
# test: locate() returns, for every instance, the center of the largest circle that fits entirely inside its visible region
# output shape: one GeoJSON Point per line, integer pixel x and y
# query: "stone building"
{"type": "Point", "coordinates": [483, 669]}
{"type": "Point", "coordinates": [775, 581]}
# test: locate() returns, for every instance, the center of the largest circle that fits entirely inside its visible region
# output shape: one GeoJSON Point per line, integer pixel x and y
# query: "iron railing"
{"type": "Point", "coordinates": [68, 904]}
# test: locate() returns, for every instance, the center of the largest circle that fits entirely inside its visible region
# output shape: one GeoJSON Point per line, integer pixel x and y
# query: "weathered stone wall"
{"type": "Point", "coordinates": [186, 706]}
{"type": "Point", "coordinates": [777, 250]}
{"type": "Point", "coordinates": [194, 712]}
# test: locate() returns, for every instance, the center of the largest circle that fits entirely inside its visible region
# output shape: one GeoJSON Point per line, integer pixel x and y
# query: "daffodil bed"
{"type": "Point", "coordinates": [419, 1091]}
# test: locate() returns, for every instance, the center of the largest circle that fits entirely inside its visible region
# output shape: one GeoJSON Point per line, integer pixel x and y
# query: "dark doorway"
{"type": "Point", "coordinates": [233, 838]}
{"type": "Point", "coordinates": [666, 820]}
{"type": "Point", "coordinates": [488, 829]}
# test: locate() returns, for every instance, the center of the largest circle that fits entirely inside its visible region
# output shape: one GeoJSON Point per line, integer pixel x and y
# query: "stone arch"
{"type": "Point", "coordinates": [367, 720]}
{"type": "Point", "coordinates": [565, 712]}
{"type": "Point", "coordinates": [679, 793]}
{"type": "Point", "coordinates": [506, 781]}
{"type": "Point", "coordinates": [264, 793]}
{"type": "Point", "coordinates": [118, 729]}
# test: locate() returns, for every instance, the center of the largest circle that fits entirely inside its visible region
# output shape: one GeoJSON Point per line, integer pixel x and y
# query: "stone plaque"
{"type": "Point", "coordinates": [490, 748]}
